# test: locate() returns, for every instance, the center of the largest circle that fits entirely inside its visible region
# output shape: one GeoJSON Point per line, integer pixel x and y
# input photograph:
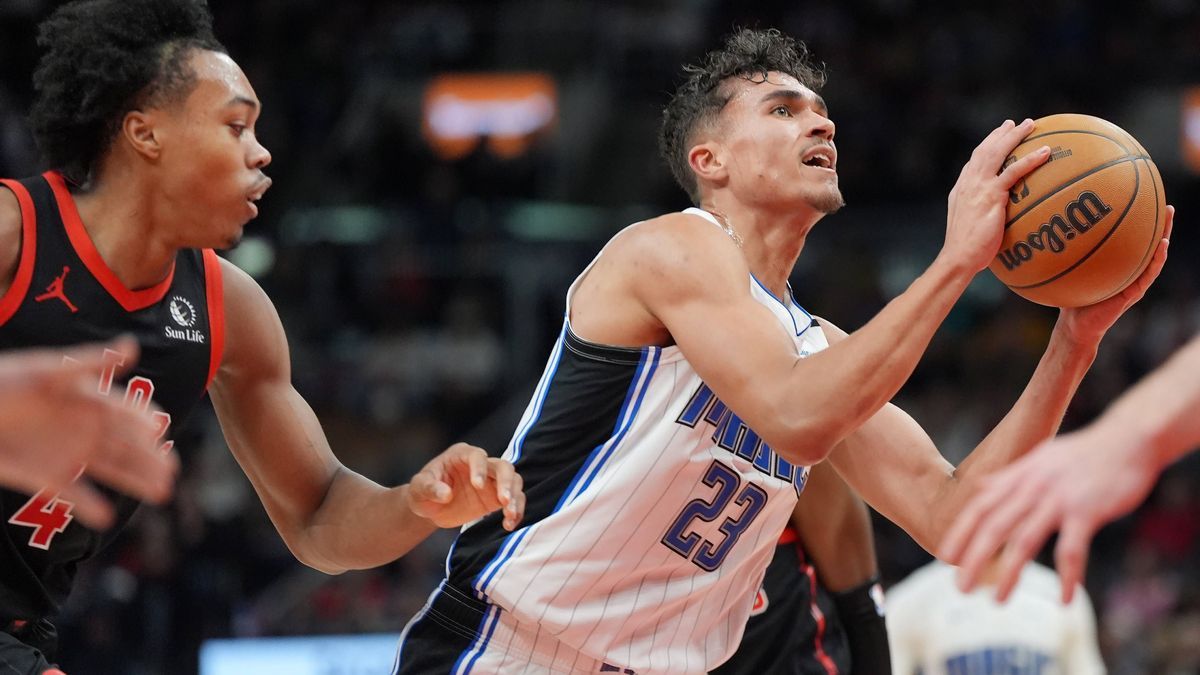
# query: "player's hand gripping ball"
{"type": "Point", "coordinates": [1082, 226]}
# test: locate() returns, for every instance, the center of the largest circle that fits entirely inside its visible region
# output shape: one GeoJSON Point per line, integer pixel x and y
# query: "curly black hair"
{"type": "Point", "coordinates": [104, 58]}
{"type": "Point", "coordinates": [747, 54]}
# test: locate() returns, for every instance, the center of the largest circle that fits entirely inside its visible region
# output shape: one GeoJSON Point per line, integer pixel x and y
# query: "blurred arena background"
{"type": "Point", "coordinates": [424, 226]}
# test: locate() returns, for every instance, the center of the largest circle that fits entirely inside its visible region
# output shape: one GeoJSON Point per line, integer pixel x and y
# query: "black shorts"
{"type": "Point", "coordinates": [18, 656]}
{"type": "Point", "coordinates": [793, 628]}
{"type": "Point", "coordinates": [457, 633]}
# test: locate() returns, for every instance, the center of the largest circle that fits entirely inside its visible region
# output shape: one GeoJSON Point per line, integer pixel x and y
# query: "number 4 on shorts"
{"type": "Point", "coordinates": [47, 515]}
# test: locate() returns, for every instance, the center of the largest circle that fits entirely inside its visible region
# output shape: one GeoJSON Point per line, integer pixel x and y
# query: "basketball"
{"type": "Point", "coordinates": [1083, 226]}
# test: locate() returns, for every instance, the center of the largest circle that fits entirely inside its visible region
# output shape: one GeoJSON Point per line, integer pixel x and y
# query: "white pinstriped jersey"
{"type": "Point", "coordinates": [653, 510]}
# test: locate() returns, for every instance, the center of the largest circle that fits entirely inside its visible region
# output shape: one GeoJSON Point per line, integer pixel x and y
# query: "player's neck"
{"type": "Point", "coordinates": [128, 228]}
{"type": "Point", "coordinates": [771, 242]}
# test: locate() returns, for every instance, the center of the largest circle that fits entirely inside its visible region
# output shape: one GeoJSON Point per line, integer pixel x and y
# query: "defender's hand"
{"type": "Point", "coordinates": [54, 424]}
{"type": "Point", "coordinates": [978, 202]}
{"type": "Point", "coordinates": [463, 484]}
{"type": "Point", "coordinates": [1072, 484]}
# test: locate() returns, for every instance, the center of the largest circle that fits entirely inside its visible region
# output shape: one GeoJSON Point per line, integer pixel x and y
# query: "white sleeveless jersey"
{"type": "Point", "coordinates": [652, 510]}
{"type": "Point", "coordinates": [935, 629]}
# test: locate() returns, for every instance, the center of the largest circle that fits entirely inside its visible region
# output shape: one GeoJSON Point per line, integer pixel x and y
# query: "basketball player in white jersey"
{"type": "Point", "coordinates": [668, 439]}
{"type": "Point", "coordinates": [937, 630]}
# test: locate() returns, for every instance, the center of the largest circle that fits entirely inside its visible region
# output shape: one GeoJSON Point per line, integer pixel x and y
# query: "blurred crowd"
{"type": "Point", "coordinates": [421, 294]}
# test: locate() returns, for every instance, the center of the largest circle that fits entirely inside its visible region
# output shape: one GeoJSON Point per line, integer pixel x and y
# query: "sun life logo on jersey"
{"type": "Point", "coordinates": [184, 314]}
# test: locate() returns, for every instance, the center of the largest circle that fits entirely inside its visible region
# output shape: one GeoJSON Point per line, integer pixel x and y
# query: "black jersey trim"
{"type": "Point", "coordinates": [626, 356]}
{"type": "Point", "coordinates": [575, 415]}
{"type": "Point", "coordinates": [23, 276]}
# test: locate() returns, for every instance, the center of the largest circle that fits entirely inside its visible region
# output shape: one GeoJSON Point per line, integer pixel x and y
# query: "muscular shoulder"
{"type": "Point", "coordinates": [679, 253]}
{"type": "Point", "coordinates": [255, 344]}
{"type": "Point", "coordinates": [646, 270]}
{"type": "Point", "coordinates": [10, 237]}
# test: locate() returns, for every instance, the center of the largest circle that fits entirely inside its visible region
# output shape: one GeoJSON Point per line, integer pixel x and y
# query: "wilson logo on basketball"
{"type": "Point", "coordinates": [1081, 215]}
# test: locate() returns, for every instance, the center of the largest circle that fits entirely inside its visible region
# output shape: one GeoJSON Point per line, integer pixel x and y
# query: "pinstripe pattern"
{"type": "Point", "coordinates": [611, 470]}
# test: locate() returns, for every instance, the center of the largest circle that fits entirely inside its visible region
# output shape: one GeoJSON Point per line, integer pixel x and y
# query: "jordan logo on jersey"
{"type": "Point", "coordinates": [183, 313]}
{"type": "Point", "coordinates": [55, 291]}
{"type": "Point", "coordinates": [732, 434]}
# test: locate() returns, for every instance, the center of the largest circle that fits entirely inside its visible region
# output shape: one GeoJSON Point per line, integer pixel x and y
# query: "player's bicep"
{"type": "Point", "coordinates": [271, 430]}
{"type": "Point", "coordinates": [697, 285]}
{"type": "Point", "coordinates": [893, 464]}
{"type": "Point", "coordinates": [10, 237]}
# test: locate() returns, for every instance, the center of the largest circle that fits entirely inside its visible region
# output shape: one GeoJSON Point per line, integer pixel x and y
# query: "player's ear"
{"type": "Point", "coordinates": [708, 162]}
{"type": "Point", "coordinates": [139, 129]}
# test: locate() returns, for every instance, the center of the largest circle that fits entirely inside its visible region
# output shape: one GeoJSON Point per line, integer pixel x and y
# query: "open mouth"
{"type": "Point", "coordinates": [820, 157]}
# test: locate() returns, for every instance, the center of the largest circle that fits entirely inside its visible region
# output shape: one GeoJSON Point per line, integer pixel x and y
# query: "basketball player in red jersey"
{"type": "Point", "coordinates": [149, 128]}
{"type": "Point", "coordinates": [111, 442]}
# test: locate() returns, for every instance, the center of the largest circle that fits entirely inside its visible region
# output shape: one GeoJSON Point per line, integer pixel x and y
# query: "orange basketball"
{"type": "Point", "coordinates": [1084, 225]}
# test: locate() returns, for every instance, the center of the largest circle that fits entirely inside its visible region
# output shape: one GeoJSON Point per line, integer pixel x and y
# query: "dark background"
{"type": "Point", "coordinates": [421, 295]}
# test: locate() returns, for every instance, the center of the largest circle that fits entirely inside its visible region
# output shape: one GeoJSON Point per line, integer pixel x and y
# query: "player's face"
{"type": "Point", "coordinates": [779, 146]}
{"type": "Point", "coordinates": [212, 163]}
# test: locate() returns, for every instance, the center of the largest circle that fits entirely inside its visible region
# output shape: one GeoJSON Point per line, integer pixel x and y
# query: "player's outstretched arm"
{"type": "Point", "coordinates": [691, 280]}
{"type": "Point", "coordinates": [332, 518]}
{"type": "Point", "coordinates": [1017, 505]}
{"type": "Point", "coordinates": [894, 465]}
{"type": "Point", "coordinates": [54, 424]}
{"type": "Point", "coordinates": [835, 529]}
{"type": "Point", "coordinates": [1078, 482]}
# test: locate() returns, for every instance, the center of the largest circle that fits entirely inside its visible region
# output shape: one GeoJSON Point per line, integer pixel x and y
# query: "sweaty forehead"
{"type": "Point", "coordinates": [748, 91]}
{"type": "Point", "coordinates": [219, 76]}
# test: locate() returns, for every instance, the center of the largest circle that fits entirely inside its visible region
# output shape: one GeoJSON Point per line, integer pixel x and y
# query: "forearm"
{"type": "Point", "coordinates": [854, 563]}
{"type": "Point", "coordinates": [360, 524]}
{"type": "Point", "coordinates": [834, 525]}
{"type": "Point", "coordinates": [1163, 410]}
{"type": "Point", "coordinates": [1036, 416]}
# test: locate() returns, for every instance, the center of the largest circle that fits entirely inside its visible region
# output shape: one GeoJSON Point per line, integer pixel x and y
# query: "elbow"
{"type": "Point", "coordinates": [309, 557]}
{"type": "Point", "coordinates": [810, 439]}
{"type": "Point", "coordinates": [323, 567]}
{"type": "Point", "coordinates": [806, 443]}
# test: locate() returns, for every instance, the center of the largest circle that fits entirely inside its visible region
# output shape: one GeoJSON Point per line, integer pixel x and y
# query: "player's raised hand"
{"type": "Point", "coordinates": [977, 203]}
{"type": "Point", "coordinates": [463, 484]}
{"type": "Point", "coordinates": [1072, 484]}
{"type": "Point", "coordinates": [1088, 324]}
{"type": "Point", "coordinates": [54, 424]}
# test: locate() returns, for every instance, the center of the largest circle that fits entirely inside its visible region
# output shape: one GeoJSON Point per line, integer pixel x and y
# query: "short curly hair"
{"type": "Point", "coordinates": [104, 58]}
{"type": "Point", "coordinates": [747, 53]}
